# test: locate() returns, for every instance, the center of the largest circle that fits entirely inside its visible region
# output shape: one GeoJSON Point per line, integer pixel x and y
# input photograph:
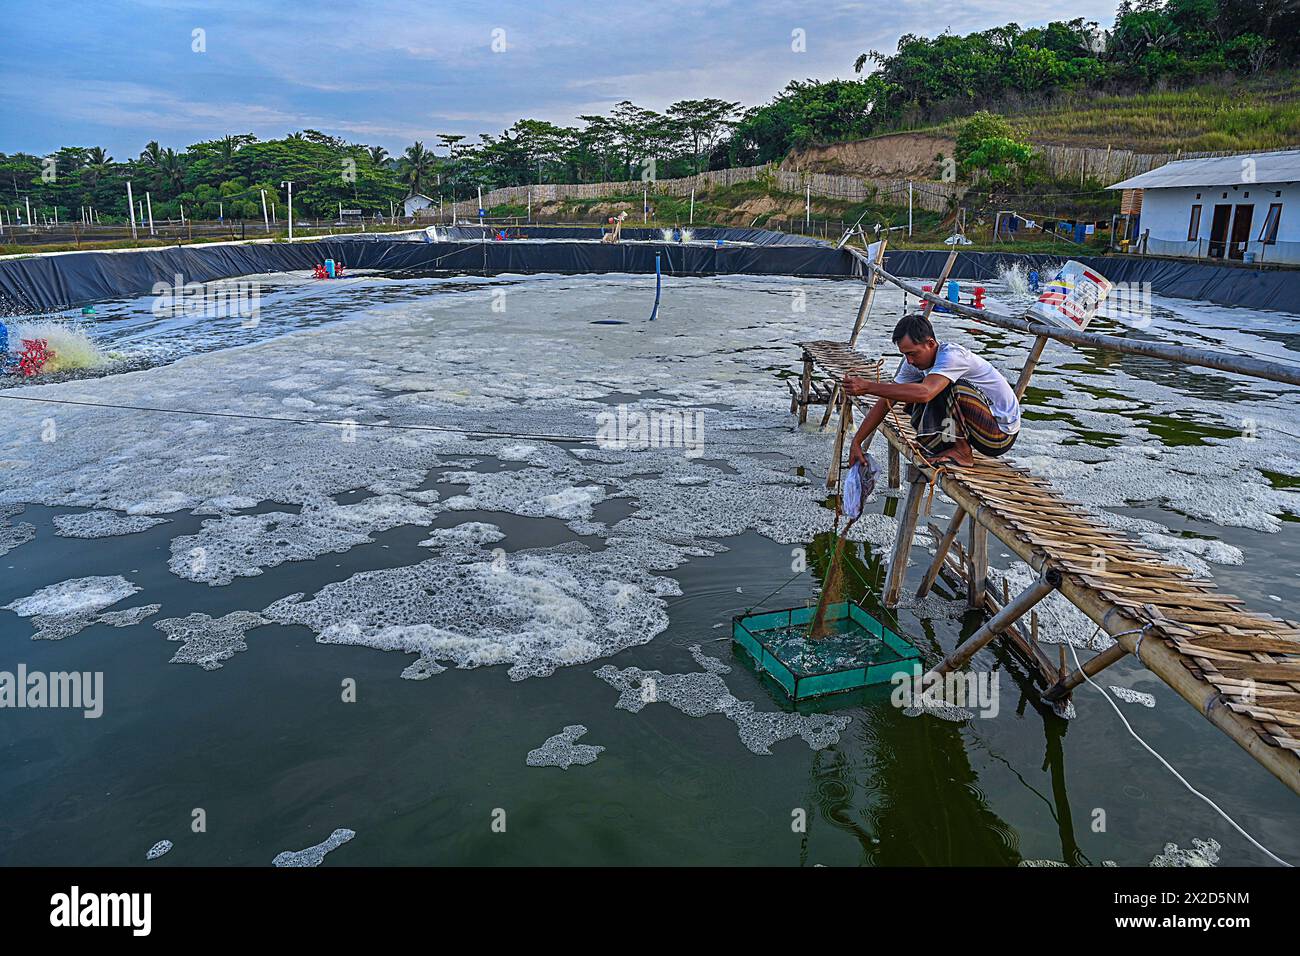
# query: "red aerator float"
{"type": "Point", "coordinates": [35, 353]}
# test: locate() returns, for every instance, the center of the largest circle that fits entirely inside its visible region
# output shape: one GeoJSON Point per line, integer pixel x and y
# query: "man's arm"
{"type": "Point", "coordinates": [887, 393]}
{"type": "Point", "coordinates": [870, 423]}
{"type": "Point", "coordinates": [910, 392]}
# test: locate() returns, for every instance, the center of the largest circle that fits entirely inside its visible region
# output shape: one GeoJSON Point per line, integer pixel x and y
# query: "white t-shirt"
{"type": "Point", "coordinates": [958, 363]}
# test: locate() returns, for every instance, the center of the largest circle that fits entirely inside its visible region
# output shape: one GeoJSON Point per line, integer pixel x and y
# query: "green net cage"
{"type": "Point", "coordinates": [858, 651]}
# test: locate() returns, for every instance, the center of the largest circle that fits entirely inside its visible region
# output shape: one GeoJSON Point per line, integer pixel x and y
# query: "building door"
{"type": "Point", "coordinates": [1240, 231]}
{"type": "Point", "coordinates": [1219, 231]}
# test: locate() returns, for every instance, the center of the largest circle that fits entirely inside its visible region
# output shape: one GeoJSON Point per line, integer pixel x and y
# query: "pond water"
{"type": "Point", "coordinates": [371, 621]}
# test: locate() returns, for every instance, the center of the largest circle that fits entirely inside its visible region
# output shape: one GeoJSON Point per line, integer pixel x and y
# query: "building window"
{"type": "Point", "coordinates": [1268, 233]}
{"type": "Point", "coordinates": [1194, 227]}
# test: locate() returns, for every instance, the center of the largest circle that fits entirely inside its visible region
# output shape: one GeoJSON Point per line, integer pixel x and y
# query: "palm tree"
{"type": "Point", "coordinates": [97, 164]}
{"type": "Point", "coordinates": [417, 164]}
{"type": "Point", "coordinates": [378, 155]}
{"type": "Point", "coordinates": [171, 170]}
{"type": "Point", "coordinates": [152, 154]}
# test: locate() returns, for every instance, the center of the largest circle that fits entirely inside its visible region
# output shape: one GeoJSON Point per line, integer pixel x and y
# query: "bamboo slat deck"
{"type": "Point", "coordinates": [1241, 668]}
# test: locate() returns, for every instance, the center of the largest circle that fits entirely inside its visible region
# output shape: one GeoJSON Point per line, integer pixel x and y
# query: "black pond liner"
{"type": "Point", "coordinates": [42, 284]}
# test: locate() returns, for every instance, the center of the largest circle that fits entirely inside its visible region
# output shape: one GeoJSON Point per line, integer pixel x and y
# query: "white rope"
{"type": "Point", "coordinates": [1154, 753]}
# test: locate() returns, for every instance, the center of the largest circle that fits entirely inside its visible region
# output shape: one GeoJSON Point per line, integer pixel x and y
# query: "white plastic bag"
{"type": "Point", "coordinates": [859, 483]}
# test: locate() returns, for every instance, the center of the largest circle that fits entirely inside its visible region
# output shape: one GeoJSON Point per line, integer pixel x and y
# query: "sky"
{"type": "Point", "coordinates": [118, 73]}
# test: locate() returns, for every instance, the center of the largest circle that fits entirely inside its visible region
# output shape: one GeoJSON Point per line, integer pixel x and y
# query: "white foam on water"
{"type": "Point", "coordinates": [563, 751]}
{"type": "Point", "coordinates": [14, 535]}
{"type": "Point", "coordinates": [536, 611]}
{"type": "Point", "coordinates": [467, 534]}
{"type": "Point", "coordinates": [703, 693]}
{"type": "Point", "coordinates": [74, 597]}
{"type": "Point", "coordinates": [245, 545]}
{"type": "Point", "coordinates": [1130, 696]}
{"type": "Point", "coordinates": [454, 371]}
{"type": "Point", "coordinates": [1202, 853]}
{"type": "Point", "coordinates": [208, 641]}
{"type": "Point", "coordinates": [102, 524]}
{"type": "Point", "coordinates": [313, 855]}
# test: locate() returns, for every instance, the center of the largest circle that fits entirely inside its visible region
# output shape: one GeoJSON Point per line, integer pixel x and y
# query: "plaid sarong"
{"type": "Point", "coordinates": [959, 410]}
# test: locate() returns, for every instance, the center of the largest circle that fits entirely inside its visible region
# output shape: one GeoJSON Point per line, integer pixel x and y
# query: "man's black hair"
{"type": "Point", "coordinates": [915, 327]}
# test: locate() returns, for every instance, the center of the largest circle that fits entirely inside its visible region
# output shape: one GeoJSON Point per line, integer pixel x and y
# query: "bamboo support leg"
{"type": "Point", "coordinates": [1091, 668]}
{"type": "Point", "coordinates": [894, 466]}
{"type": "Point", "coordinates": [846, 422]}
{"type": "Point", "coordinates": [831, 402]}
{"type": "Point", "coordinates": [1017, 609]}
{"type": "Point", "coordinates": [805, 390]}
{"type": "Point", "coordinates": [1031, 362]}
{"type": "Point", "coordinates": [978, 555]}
{"type": "Point", "coordinates": [903, 543]}
{"type": "Point", "coordinates": [941, 553]}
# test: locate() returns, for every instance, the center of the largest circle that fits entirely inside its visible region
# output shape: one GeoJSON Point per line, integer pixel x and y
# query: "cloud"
{"type": "Point", "coordinates": [391, 71]}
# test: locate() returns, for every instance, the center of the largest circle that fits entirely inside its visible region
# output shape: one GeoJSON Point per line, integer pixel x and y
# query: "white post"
{"type": "Point", "coordinates": [130, 207]}
{"type": "Point", "coordinates": [392, 212]}
{"type": "Point", "coordinates": [289, 183]}
{"type": "Point", "coordinates": [266, 217]}
{"type": "Point", "coordinates": [480, 205]}
{"type": "Point", "coordinates": [909, 208]}
{"type": "Point", "coordinates": [221, 211]}
{"type": "Point", "coordinates": [28, 203]}
{"type": "Point", "coordinates": [692, 219]}
{"type": "Point", "coordinates": [645, 205]}
{"type": "Point", "coordinates": [149, 201]}
{"type": "Point", "coordinates": [56, 215]}
{"type": "Point", "coordinates": [530, 205]}
{"type": "Point", "coordinates": [807, 206]}
{"type": "Point", "coordinates": [340, 212]}
{"type": "Point", "coordinates": [182, 205]}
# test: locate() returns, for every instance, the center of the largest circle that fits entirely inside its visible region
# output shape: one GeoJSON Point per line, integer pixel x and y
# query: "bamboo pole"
{"type": "Point", "coordinates": [1047, 582]}
{"type": "Point", "coordinates": [868, 294]}
{"type": "Point", "coordinates": [1031, 362]}
{"type": "Point", "coordinates": [979, 565]}
{"type": "Point", "coordinates": [938, 286]}
{"type": "Point", "coordinates": [903, 542]}
{"type": "Point", "coordinates": [846, 422]}
{"type": "Point", "coordinates": [805, 391]}
{"type": "Point", "coordinates": [941, 552]}
{"type": "Point", "coordinates": [1204, 358]}
{"type": "Point", "coordinates": [1091, 668]}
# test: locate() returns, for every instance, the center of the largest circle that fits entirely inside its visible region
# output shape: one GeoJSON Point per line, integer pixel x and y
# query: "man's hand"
{"type": "Point", "coordinates": [856, 455]}
{"type": "Point", "coordinates": [857, 385]}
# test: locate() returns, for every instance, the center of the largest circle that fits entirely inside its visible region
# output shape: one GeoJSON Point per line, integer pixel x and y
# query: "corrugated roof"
{"type": "Point", "coordinates": [1281, 167]}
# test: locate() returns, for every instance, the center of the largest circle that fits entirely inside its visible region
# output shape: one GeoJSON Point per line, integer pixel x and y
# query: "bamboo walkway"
{"type": "Point", "coordinates": [1239, 668]}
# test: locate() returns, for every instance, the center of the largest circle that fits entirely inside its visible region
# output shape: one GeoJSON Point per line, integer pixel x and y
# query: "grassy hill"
{"type": "Point", "coordinates": [1260, 114]}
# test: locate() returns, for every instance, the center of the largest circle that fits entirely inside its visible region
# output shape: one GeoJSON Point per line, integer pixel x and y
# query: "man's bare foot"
{"type": "Point", "coordinates": [958, 455]}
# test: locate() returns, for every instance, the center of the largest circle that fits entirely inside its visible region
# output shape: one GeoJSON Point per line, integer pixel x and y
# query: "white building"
{"type": "Point", "coordinates": [1244, 207]}
{"type": "Point", "coordinates": [414, 203]}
